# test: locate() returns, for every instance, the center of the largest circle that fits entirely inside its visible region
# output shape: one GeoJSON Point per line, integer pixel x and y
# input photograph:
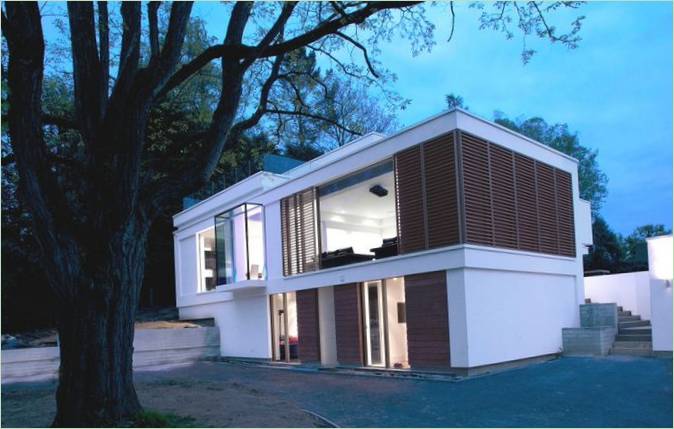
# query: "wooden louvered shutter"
{"type": "Point", "coordinates": [442, 214]}
{"type": "Point", "coordinates": [410, 201]}
{"type": "Point", "coordinates": [564, 192]}
{"type": "Point", "coordinates": [525, 199]}
{"type": "Point", "coordinates": [298, 232]}
{"type": "Point", "coordinates": [503, 196]}
{"type": "Point", "coordinates": [477, 190]}
{"type": "Point", "coordinates": [547, 208]}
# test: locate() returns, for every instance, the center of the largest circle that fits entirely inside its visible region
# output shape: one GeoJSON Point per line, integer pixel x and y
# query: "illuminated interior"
{"type": "Point", "coordinates": [357, 213]}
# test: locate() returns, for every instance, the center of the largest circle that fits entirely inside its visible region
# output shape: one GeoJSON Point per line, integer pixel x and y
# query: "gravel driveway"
{"type": "Point", "coordinates": [567, 392]}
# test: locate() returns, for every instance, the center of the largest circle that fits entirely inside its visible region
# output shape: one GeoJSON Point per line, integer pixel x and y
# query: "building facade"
{"type": "Point", "coordinates": [453, 244]}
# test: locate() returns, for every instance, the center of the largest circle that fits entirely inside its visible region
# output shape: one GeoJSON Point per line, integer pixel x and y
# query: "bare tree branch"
{"type": "Point", "coordinates": [275, 30]}
{"type": "Point", "coordinates": [89, 104]}
{"type": "Point", "coordinates": [52, 217]}
{"type": "Point", "coordinates": [363, 49]}
{"type": "Point", "coordinates": [264, 98]}
{"type": "Point", "coordinates": [451, 10]}
{"type": "Point", "coordinates": [130, 52]}
{"type": "Point", "coordinates": [231, 51]}
{"type": "Point", "coordinates": [152, 8]}
{"type": "Point", "coordinates": [313, 116]}
{"type": "Point", "coordinates": [104, 50]}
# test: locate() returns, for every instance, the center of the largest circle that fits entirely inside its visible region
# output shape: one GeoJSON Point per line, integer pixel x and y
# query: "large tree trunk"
{"type": "Point", "coordinates": [96, 335]}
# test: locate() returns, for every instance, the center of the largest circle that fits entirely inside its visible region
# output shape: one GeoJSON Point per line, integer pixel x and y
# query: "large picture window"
{"type": "Point", "coordinates": [357, 217]}
{"type": "Point", "coordinates": [239, 241]}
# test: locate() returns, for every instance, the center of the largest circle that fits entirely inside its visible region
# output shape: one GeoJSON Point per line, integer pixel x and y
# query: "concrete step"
{"type": "Point", "coordinates": [632, 348]}
{"type": "Point", "coordinates": [633, 323]}
{"type": "Point", "coordinates": [629, 318]}
{"type": "Point", "coordinates": [634, 337]}
{"type": "Point", "coordinates": [642, 330]}
{"type": "Point", "coordinates": [638, 345]}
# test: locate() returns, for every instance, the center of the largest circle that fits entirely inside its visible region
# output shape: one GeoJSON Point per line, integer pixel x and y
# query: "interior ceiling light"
{"type": "Point", "coordinates": [379, 190]}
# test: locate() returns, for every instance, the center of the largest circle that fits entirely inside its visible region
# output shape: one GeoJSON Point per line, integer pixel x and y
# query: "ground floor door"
{"type": "Point", "coordinates": [374, 324]}
{"type": "Point", "coordinates": [384, 328]}
{"type": "Point", "coordinates": [283, 307]}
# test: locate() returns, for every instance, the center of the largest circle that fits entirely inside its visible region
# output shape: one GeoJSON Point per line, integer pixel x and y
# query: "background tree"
{"type": "Point", "coordinates": [93, 203]}
{"type": "Point", "coordinates": [607, 251]}
{"type": "Point", "coordinates": [455, 100]}
{"type": "Point", "coordinates": [591, 179]}
{"type": "Point", "coordinates": [634, 246]}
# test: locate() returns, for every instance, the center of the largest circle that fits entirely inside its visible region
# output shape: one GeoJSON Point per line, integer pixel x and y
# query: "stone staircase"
{"type": "Point", "coordinates": [634, 336]}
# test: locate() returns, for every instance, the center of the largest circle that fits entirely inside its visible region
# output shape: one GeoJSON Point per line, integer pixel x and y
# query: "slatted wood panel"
{"type": "Point", "coordinates": [513, 201]}
{"type": "Point", "coordinates": [299, 233]}
{"type": "Point", "coordinates": [547, 208]}
{"type": "Point", "coordinates": [567, 239]}
{"type": "Point", "coordinates": [348, 324]}
{"type": "Point", "coordinates": [442, 215]}
{"type": "Point", "coordinates": [410, 200]}
{"type": "Point", "coordinates": [427, 320]}
{"type": "Point", "coordinates": [307, 325]}
{"type": "Point", "coordinates": [477, 190]}
{"type": "Point", "coordinates": [525, 198]}
{"type": "Point", "coordinates": [503, 197]}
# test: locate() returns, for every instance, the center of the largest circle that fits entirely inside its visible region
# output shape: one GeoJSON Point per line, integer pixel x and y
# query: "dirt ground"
{"type": "Point", "coordinates": [204, 403]}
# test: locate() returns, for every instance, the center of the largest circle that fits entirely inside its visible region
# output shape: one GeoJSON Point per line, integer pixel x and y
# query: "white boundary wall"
{"type": "Point", "coordinates": [629, 290]}
{"type": "Point", "coordinates": [660, 270]}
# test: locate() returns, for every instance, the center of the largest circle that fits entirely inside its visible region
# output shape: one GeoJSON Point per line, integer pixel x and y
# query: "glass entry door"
{"type": "Point", "coordinates": [284, 326]}
{"type": "Point", "coordinates": [373, 315]}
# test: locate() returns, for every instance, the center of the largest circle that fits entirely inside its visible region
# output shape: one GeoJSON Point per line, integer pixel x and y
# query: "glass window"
{"type": "Point", "coordinates": [206, 242]}
{"type": "Point", "coordinates": [239, 236]}
{"type": "Point", "coordinates": [357, 217]}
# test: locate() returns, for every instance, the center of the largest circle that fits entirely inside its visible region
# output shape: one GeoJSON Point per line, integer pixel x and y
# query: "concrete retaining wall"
{"type": "Point", "coordinates": [588, 341]}
{"type": "Point", "coordinates": [152, 348]}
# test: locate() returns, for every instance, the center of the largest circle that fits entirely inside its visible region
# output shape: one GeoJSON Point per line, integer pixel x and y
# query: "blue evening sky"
{"type": "Point", "coordinates": [615, 90]}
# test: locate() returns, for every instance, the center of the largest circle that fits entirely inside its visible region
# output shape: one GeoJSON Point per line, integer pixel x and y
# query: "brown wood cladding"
{"type": "Point", "coordinates": [567, 239]}
{"type": "Point", "coordinates": [348, 324]}
{"type": "Point", "coordinates": [426, 195]}
{"type": "Point", "coordinates": [298, 232]}
{"type": "Point", "coordinates": [477, 191]}
{"type": "Point", "coordinates": [525, 198]}
{"type": "Point", "coordinates": [427, 320]}
{"type": "Point", "coordinates": [442, 216]}
{"type": "Point", "coordinates": [309, 345]}
{"type": "Point", "coordinates": [513, 201]}
{"type": "Point", "coordinates": [409, 201]}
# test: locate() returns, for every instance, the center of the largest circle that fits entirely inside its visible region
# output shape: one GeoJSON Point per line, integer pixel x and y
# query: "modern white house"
{"type": "Point", "coordinates": [452, 244]}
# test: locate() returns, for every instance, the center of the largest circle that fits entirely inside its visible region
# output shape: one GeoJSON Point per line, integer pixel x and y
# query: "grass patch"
{"type": "Point", "coordinates": [154, 419]}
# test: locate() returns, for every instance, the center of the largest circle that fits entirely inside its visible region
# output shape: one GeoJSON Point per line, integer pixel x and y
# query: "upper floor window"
{"type": "Point", "coordinates": [358, 217]}
{"type": "Point", "coordinates": [206, 243]}
{"type": "Point", "coordinates": [239, 244]}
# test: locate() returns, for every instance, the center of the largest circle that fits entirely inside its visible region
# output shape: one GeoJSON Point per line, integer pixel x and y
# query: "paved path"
{"type": "Point", "coordinates": [581, 392]}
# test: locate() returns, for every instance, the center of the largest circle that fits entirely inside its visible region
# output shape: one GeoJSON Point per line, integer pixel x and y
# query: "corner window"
{"type": "Point", "coordinates": [239, 242]}
{"type": "Point", "coordinates": [206, 243]}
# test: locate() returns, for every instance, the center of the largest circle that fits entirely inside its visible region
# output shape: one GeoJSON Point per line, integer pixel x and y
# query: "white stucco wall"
{"type": "Point", "coordinates": [498, 316]}
{"type": "Point", "coordinates": [629, 290]}
{"type": "Point", "coordinates": [660, 273]}
{"type": "Point", "coordinates": [244, 324]}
